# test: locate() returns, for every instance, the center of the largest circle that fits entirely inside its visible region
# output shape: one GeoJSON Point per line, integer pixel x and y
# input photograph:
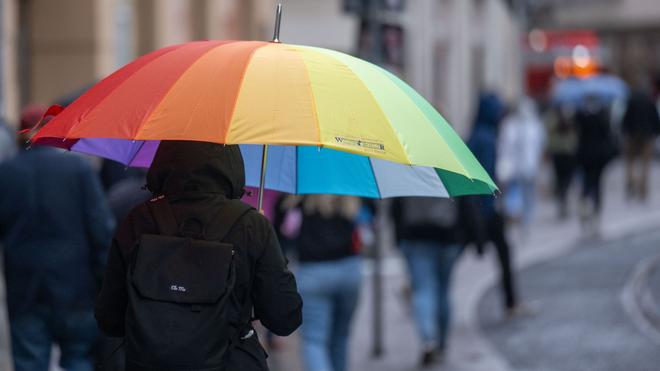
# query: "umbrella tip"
{"type": "Point", "coordinates": [278, 20]}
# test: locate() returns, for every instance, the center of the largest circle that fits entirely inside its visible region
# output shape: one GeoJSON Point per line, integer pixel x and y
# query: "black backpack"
{"type": "Point", "coordinates": [429, 212]}
{"type": "Point", "coordinates": [178, 288]}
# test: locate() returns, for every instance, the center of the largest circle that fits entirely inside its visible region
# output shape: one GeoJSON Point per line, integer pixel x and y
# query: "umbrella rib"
{"type": "Point", "coordinates": [136, 153]}
{"type": "Point", "coordinates": [373, 172]}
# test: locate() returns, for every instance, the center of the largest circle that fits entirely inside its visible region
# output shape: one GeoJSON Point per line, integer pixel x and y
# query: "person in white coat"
{"type": "Point", "coordinates": [520, 153]}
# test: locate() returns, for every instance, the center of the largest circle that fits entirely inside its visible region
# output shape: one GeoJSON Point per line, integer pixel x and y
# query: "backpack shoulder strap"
{"type": "Point", "coordinates": [230, 213]}
{"type": "Point", "coordinates": [162, 212]}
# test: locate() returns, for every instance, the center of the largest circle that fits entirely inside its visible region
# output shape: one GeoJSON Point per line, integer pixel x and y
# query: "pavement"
{"type": "Point", "coordinates": [579, 315]}
{"type": "Point", "coordinates": [470, 349]}
{"type": "Point", "coordinates": [653, 288]}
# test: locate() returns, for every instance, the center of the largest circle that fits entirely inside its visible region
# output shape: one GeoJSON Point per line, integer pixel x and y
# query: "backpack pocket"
{"type": "Point", "coordinates": [182, 270]}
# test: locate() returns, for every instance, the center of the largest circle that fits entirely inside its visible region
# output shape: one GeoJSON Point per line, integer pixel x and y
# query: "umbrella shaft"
{"type": "Point", "coordinates": [262, 183]}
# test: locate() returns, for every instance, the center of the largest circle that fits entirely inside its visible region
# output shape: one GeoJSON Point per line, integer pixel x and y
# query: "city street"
{"type": "Point", "coordinates": [580, 310]}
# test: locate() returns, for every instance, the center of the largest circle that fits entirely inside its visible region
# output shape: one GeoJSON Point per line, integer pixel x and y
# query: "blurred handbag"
{"type": "Point", "coordinates": [514, 201]}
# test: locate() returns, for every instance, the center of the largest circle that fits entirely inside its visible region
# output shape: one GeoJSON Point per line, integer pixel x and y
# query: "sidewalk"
{"type": "Point", "coordinates": [582, 316]}
{"type": "Point", "coordinates": [469, 350]}
{"type": "Point", "coordinates": [548, 239]}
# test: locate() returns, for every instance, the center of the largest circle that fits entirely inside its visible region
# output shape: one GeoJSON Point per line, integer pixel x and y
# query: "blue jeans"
{"type": "Point", "coordinates": [430, 265]}
{"type": "Point", "coordinates": [33, 335]}
{"type": "Point", "coordinates": [330, 292]}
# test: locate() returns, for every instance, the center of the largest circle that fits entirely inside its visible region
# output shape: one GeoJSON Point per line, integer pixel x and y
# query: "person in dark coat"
{"type": "Point", "coordinates": [490, 223]}
{"type": "Point", "coordinates": [596, 148]}
{"type": "Point", "coordinates": [7, 141]}
{"type": "Point", "coordinates": [56, 228]}
{"type": "Point", "coordinates": [198, 178]}
{"type": "Point", "coordinates": [127, 193]}
{"type": "Point", "coordinates": [430, 232]}
{"type": "Point", "coordinates": [562, 145]}
{"type": "Point", "coordinates": [640, 126]}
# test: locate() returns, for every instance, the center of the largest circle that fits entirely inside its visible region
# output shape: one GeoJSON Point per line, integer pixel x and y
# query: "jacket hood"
{"type": "Point", "coordinates": [194, 168]}
{"type": "Point", "coordinates": [489, 111]}
{"type": "Point", "coordinates": [527, 110]}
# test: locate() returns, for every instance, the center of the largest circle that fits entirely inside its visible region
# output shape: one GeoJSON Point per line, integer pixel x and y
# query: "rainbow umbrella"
{"type": "Point", "coordinates": [267, 93]}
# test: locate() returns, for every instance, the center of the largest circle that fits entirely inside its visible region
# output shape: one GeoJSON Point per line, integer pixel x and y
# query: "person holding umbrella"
{"type": "Point", "coordinates": [197, 186]}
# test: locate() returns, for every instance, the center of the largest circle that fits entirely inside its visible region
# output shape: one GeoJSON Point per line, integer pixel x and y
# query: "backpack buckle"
{"type": "Point", "coordinates": [248, 335]}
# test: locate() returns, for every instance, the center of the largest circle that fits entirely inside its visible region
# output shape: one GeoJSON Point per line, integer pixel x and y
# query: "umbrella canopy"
{"type": "Point", "coordinates": [250, 92]}
{"type": "Point", "coordinates": [573, 90]}
{"type": "Point", "coordinates": [607, 87]}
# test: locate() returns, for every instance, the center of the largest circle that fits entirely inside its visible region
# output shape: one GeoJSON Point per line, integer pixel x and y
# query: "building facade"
{"type": "Point", "coordinates": [452, 49]}
{"type": "Point", "coordinates": [628, 29]}
{"type": "Point", "coordinates": [50, 49]}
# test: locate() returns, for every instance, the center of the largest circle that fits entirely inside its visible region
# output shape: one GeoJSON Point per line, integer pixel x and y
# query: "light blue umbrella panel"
{"type": "Point", "coordinates": [314, 170]}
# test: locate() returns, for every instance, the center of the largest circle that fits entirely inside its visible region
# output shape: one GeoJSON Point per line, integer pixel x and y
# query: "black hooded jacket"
{"type": "Point", "coordinates": [641, 120]}
{"type": "Point", "coordinates": [198, 178]}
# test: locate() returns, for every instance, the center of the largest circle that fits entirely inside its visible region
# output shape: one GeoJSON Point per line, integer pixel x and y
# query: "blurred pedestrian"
{"type": "Point", "coordinates": [125, 194]}
{"type": "Point", "coordinates": [640, 127]}
{"type": "Point", "coordinates": [7, 141]}
{"type": "Point", "coordinates": [520, 148]}
{"type": "Point", "coordinates": [596, 148]}
{"type": "Point", "coordinates": [181, 298]}
{"type": "Point", "coordinates": [562, 147]}
{"type": "Point", "coordinates": [429, 233]}
{"type": "Point", "coordinates": [113, 172]}
{"type": "Point", "coordinates": [287, 219]}
{"type": "Point", "coordinates": [279, 208]}
{"type": "Point", "coordinates": [122, 197]}
{"type": "Point", "coordinates": [7, 151]}
{"type": "Point", "coordinates": [483, 143]}
{"type": "Point", "coordinates": [55, 227]}
{"type": "Point", "coordinates": [329, 275]}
